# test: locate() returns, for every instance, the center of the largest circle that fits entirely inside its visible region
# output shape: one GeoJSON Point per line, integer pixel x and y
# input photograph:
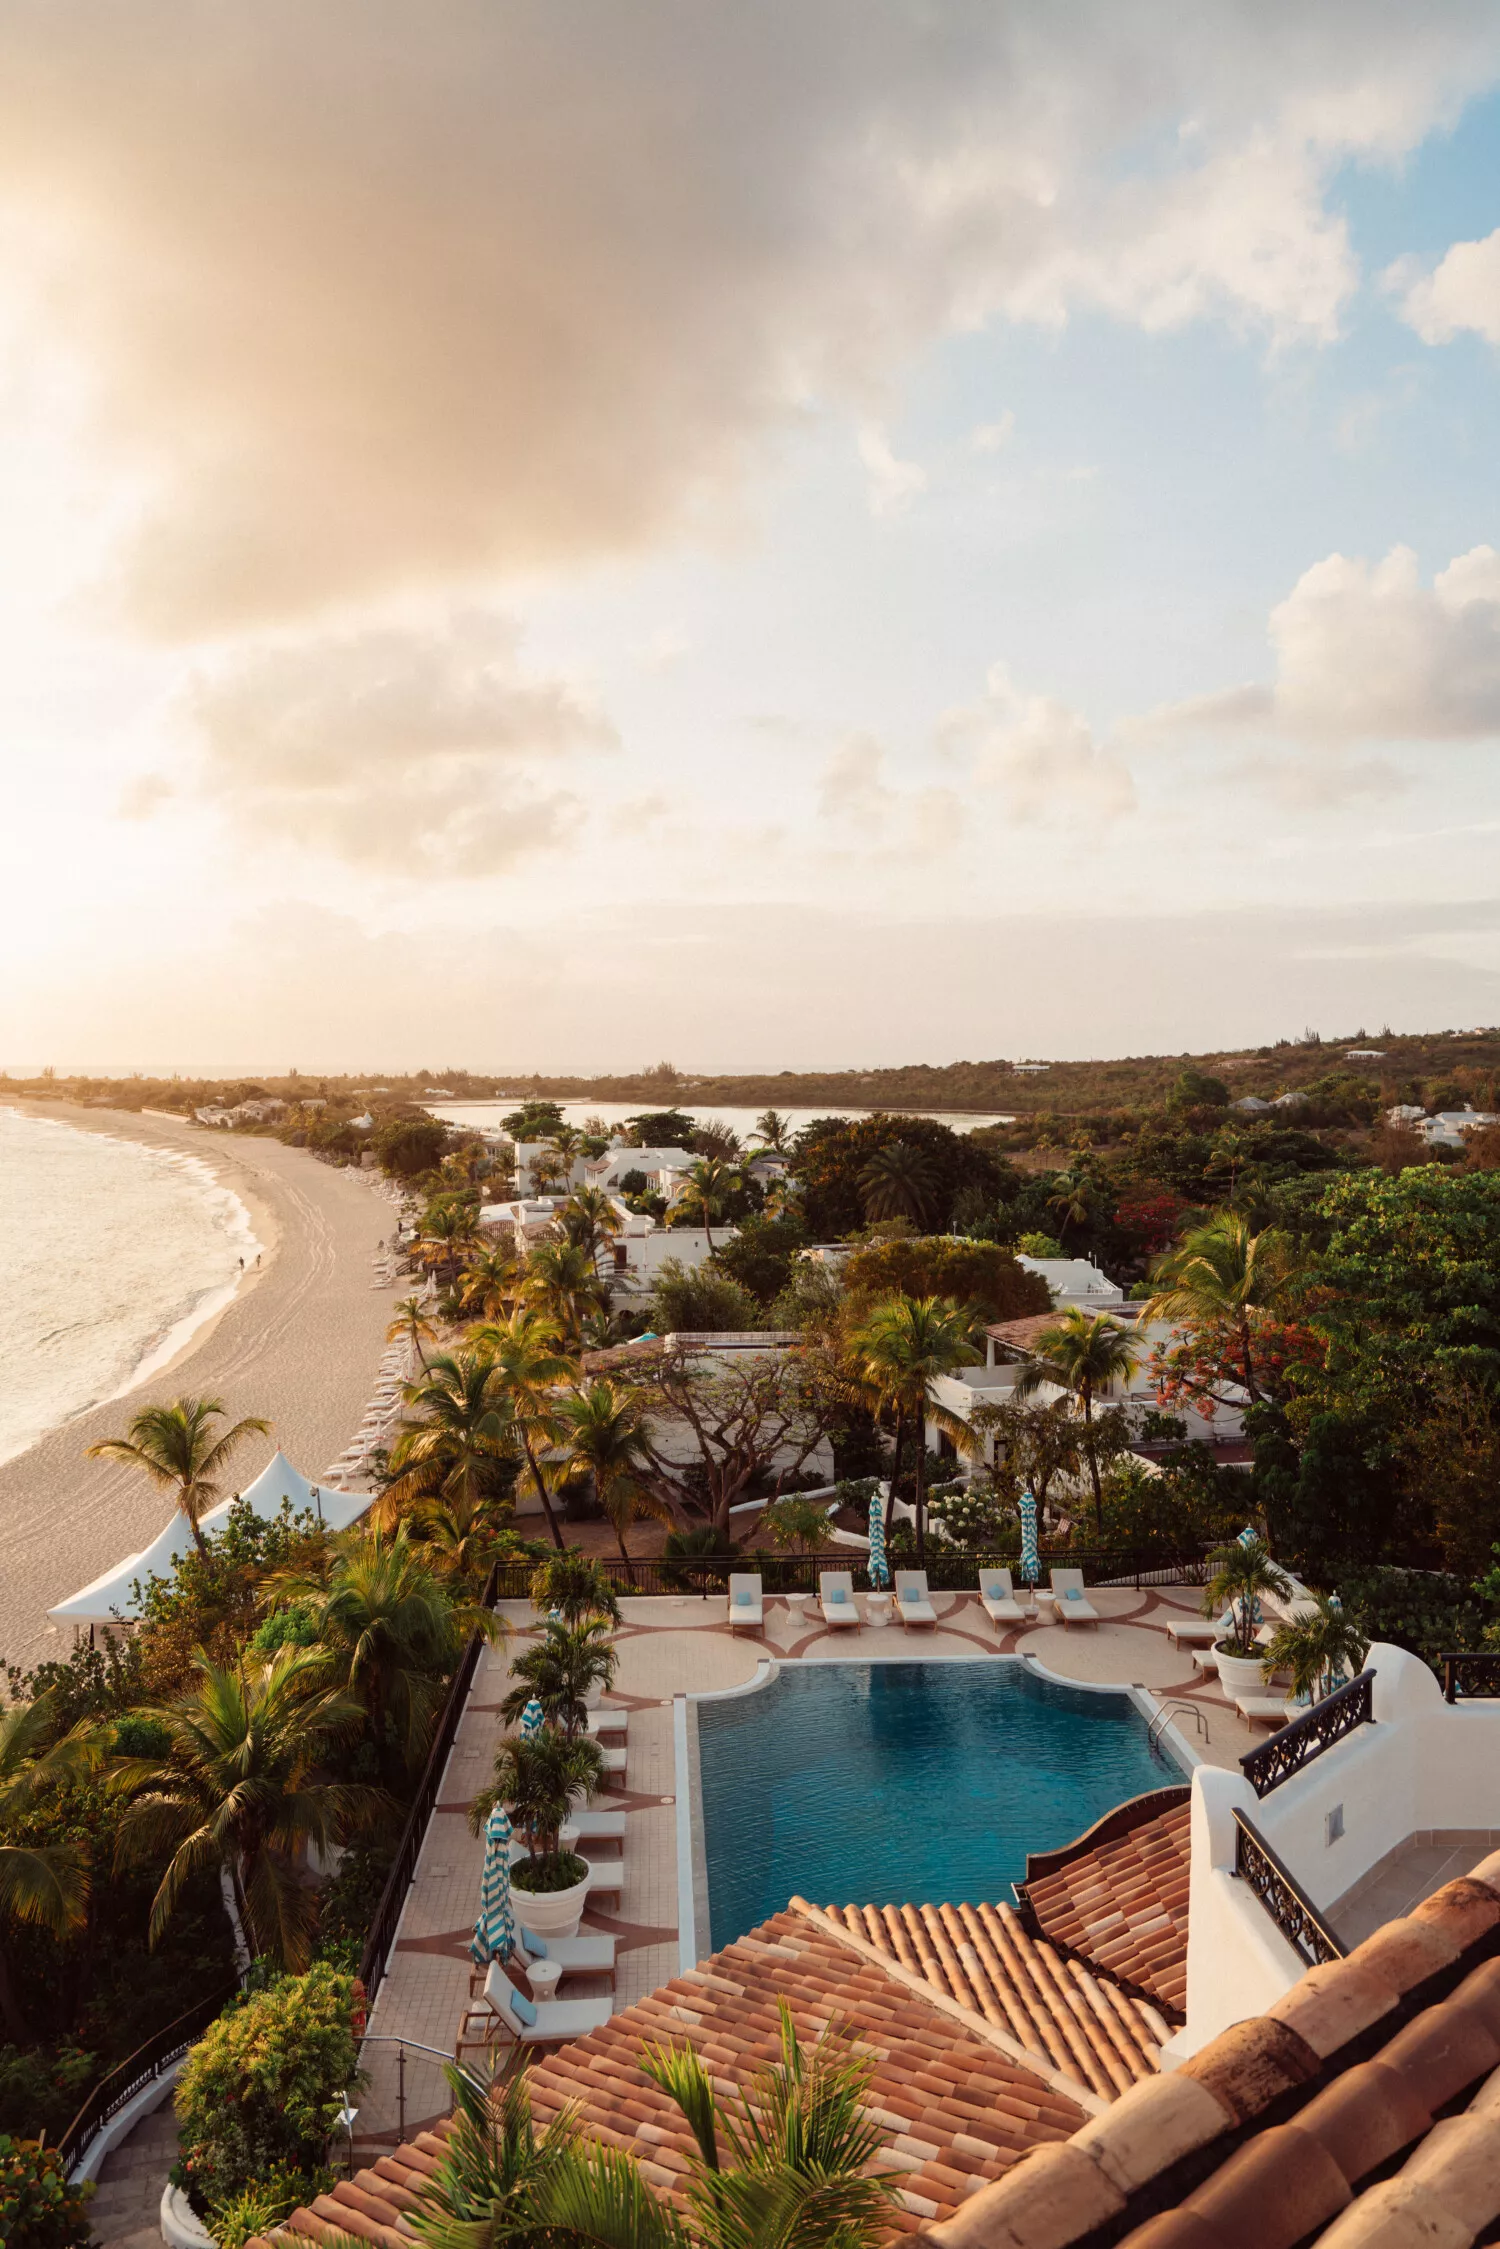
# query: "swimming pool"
{"type": "Point", "coordinates": [904, 1783]}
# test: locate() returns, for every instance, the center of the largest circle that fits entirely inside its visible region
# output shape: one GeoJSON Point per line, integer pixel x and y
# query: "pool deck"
{"type": "Point", "coordinates": [683, 1645]}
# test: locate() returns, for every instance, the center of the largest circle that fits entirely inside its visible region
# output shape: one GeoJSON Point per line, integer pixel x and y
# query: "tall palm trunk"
{"type": "Point", "coordinates": [1088, 1445]}
{"type": "Point", "coordinates": [193, 1525]}
{"type": "Point", "coordinates": [541, 1493]}
{"type": "Point", "coordinates": [919, 1490]}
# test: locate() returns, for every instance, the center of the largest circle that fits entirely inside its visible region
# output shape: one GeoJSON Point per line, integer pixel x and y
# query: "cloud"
{"type": "Point", "coordinates": [992, 437]}
{"type": "Point", "coordinates": [854, 795]}
{"type": "Point", "coordinates": [891, 482]}
{"type": "Point", "coordinates": [1369, 654]}
{"type": "Point", "coordinates": [1039, 758]}
{"type": "Point", "coordinates": [1462, 292]}
{"type": "Point", "coordinates": [368, 296]}
{"type": "Point", "coordinates": [423, 752]}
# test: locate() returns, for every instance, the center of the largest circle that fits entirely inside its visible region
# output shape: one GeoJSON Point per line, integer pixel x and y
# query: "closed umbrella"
{"type": "Point", "coordinates": [495, 1931]}
{"type": "Point", "coordinates": [880, 1576]}
{"type": "Point", "coordinates": [531, 1717]}
{"type": "Point", "coordinates": [1031, 1560]}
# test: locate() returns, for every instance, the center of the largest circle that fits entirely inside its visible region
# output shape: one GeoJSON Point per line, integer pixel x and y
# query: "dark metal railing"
{"type": "Point", "coordinates": [382, 1934]}
{"type": "Point", "coordinates": [1283, 1896]}
{"type": "Point", "coordinates": [1307, 1737]}
{"type": "Point", "coordinates": [947, 1572]}
{"type": "Point", "coordinates": [127, 2078]}
{"type": "Point", "coordinates": [1470, 1678]}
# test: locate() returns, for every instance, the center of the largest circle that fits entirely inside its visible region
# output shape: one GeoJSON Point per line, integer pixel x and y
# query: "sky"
{"type": "Point", "coordinates": [560, 536]}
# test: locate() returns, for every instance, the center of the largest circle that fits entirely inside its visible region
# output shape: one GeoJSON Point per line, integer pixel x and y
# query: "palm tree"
{"type": "Point", "coordinates": [412, 1326]}
{"type": "Point", "coordinates": [42, 1885]}
{"type": "Point", "coordinates": [540, 1777]}
{"type": "Point", "coordinates": [449, 1230]}
{"type": "Point", "coordinates": [178, 1449]}
{"type": "Point", "coordinates": [1071, 1199]}
{"type": "Point", "coordinates": [605, 1433]}
{"type": "Point", "coordinates": [1087, 1354]}
{"type": "Point", "coordinates": [466, 1429]}
{"type": "Point", "coordinates": [241, 1789]}
{"type": "Point", "coordinates": [1238, 1575]}
{"type": "Point", "coordinates": [897, 1351]}
{"type": "Point", "coordinates": [560, 1671]}
{"type": "Point", "coordinates": [530, 1364]}
{"type": "Point", "coordinates": [1314, 1648]}
{"type": "Point", "coordinates": [459, 1542]}
{"type": "Point", "coordinates": [589, 1220]}
{"type": "Point", "coordinates": [392, 1632]}
{"type": "Point", "coordinates": [1223, 1275]}
{"type": "Point", "coordinates": [574, 1584]}
{"type": "Point", "coordinates": [704, 1190]}
{"type": "Point", "coordinates": [563, 1282]}
{"type": "Point", "coordinates": [490, 1281]}
{"type": "Point", "coordinates": [899, 1181]}
{"type": "Point", "coordinates": [774, 1132]}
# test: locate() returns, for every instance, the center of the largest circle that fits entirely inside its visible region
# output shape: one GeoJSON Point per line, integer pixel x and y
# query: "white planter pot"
{"type": "Point", "coordinates": [593, 1698]}
{"type": "Point", "coordinates": [1240, 1675]}
{"type": "Point", "coordinates": [181, 2227]}
{"type": "Point", "coordinates": [551, 1913]}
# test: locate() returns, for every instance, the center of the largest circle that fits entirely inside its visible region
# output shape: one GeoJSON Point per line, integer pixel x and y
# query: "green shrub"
{"type": "Point", "coordinates": [259, 2092]}
{"type": "Point", "coordinates": [346, 1904]}
{"type": "Point", "coordinates": [41, 2092]}
{"type": "Point", "coordinates": [971, 1518]}
{"type": "Point", "coordinates": [38, 2208]}
{"type": "Point", "coordinates": [257, 2208]}
{"type": "Point", "coordinates": [1429, 1612]}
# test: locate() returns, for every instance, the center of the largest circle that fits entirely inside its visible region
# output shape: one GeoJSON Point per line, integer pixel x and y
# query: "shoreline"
{"type": "Point", "coordinates": [297, 1340]}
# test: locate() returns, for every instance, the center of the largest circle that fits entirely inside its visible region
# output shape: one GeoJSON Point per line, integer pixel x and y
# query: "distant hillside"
{"type": "Point", "coordinates": [1466, 1061]}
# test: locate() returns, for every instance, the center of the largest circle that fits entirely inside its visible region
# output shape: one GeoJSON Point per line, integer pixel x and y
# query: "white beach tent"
{"type": "Point", "coordinates": [109, 1598]}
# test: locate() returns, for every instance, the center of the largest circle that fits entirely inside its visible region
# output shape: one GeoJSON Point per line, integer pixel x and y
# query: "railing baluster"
{"type": "Point", "coordinates": [1305, 1738]}
{"type": "Point", "coordinates": [1283, 1896]}
{"type": "Point", "coordinates": [1471, 1678]}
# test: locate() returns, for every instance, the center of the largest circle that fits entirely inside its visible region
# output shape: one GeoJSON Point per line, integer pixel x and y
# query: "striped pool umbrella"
{"type": "Point", "coordinates": [880, 1576]}
{"type": "Point", "coordinates": [531, 1717]}
{"type": "Point", "coordinates": [495, 1931]}
{"type": "Point", "coordinates": [1031, 1560]}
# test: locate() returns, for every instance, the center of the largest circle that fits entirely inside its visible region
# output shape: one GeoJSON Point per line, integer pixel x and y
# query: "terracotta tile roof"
{"type": "Point", "coordinates": [1021, 1334]}
{"type": "Point", "coordinates": [956, 2096]}
{"type": "Point", "coordinates": [1123, 1904]}
{"type": "Point", "coordinates": [1361, 2111]}
{"type": "Point", "coordinates": [984, 1957]}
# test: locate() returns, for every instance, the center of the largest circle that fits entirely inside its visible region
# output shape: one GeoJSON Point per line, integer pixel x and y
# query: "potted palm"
{"type": "Point", "coordinates": [1241, 1574]}
{"type": "Point", "coordinates": [538, 1777]}
{"type": "Point", "coordinates": [566, 1672]}
{"type": "Point", "coordinates": [1314, 1649]}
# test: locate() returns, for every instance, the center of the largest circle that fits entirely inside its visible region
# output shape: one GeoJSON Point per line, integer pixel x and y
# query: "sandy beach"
{"type": "Point", "coordinates": [299, 1345]}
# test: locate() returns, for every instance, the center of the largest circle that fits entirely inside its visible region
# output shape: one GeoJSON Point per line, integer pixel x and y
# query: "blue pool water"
{"type": "Point", "coordinates": [904, 1783]}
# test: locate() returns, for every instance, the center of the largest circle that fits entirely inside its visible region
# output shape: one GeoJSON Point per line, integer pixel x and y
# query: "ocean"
{"type": "Point", "coordinates": [110, 1255]}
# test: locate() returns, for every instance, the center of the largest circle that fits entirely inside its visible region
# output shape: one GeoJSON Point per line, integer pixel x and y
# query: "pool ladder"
{"type": "Point", "coordinates": [1164, 1716]}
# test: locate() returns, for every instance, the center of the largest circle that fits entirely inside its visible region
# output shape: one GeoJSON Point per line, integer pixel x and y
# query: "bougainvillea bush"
{"type": "Point", "coordinates": [38, 2208]}
{"type": "Point", "coordinates": [259, 2093]}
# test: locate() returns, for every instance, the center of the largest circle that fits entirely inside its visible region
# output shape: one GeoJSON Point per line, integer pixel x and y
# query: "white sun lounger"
{"type": "Point", "coordinates": [1197, 1632]}
{"type": "Point", "coordinates": [1264, 1710]}
{"type": "Point", "coordinates": [997, 1598]}
{"type": "Point", "coordinates": [608, 1721]}
{"type": "Point", "coordinates": [550, 2019]}
{"type": "Point", "coordinates": [912, 1603]}
{"type": "Point", "coordinates": [836, 1599]}
{"type": "Point", "coordinates": [1069, 1603]}
{"type": "Point", "coordinates": [590, 1953]}
{"type": "Point", "coordinates": [596, 1827]}
{"type": "Point", "coordinates": [607, 1875]}
{"type": "Point", "coordinates": [746, 1613]}
{"type": "Point", "coordinates": [614, 1760]}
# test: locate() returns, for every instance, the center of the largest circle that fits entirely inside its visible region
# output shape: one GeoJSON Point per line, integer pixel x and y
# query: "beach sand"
{"type": "Point", "coordinates": [299, 1345]}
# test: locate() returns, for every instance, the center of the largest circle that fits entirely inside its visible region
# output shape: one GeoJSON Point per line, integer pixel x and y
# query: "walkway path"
{"type": "Point", "coordinates": [126, 2210]}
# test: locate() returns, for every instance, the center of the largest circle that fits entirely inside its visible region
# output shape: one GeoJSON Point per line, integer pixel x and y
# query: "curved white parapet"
{"type": "Point", "coordinates": [181, 2228]}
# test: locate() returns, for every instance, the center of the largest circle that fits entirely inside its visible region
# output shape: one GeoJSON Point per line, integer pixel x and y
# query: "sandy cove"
{"type": "Point", "coordinates": [299, 1345]}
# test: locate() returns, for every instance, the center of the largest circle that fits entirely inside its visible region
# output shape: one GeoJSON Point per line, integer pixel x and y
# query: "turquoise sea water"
{"type": "Point", "coordinates": [905, 1783]}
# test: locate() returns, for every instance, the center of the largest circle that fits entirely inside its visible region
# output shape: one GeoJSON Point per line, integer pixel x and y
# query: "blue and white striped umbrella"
{"type": "Point", "coordinates": [495, 1931]}
{"type": "Point", "coordinates": [1247, 1536]}
{"type": "Point", "coordinates": [531, 1717]}
{"type": "Point", "coordinates": [1031, 1560]}
{"type": "Point", "coordinates": [880, 1576]}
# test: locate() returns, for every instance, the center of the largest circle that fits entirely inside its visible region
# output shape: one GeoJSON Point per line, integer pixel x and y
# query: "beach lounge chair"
{"type": "Point", "coordinates": [588, 1954]}
{"type": "Point", "coordinates": [1197, 1632]}
{"type": "Point", "coordinates": [997, 1598]}
{"type": "Point", "coordinates": [1069, 1601]}
{"type": "Point", "coordinates": [1264, 1710]}
{"type": "Point", "coordinates": [539, 2024]}
{"type": "Point", "coordinates": [745, 1610]}
{"type": "Point", "coordinates": [608, 1721]}
{"type": "Point", "coordinates": [912, 1603]}
{"type": "Point", "coordinates": [595, 1827]}
{"type": "Point", "coordinates": [836, 1599]}
{"type": "Point", "coordinates": [607, 1875]}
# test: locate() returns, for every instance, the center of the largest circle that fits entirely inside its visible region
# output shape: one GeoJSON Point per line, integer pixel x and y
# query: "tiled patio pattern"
{"type": "Point", "coordinates": [671, 1646]}
{"type": "Point", "coordinates": [1408, 1874]}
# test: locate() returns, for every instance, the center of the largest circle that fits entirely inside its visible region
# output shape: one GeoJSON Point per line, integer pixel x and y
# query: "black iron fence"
{"type": "Point", "coordinates": [1307, 1737]}
{"type": "Point", "coordinates": [137, 2071]}
{"type": "Point", "coordinates": [393, 1897]}
{"type": "Point", "coordinates": [947, 1572]}
{"type": "Point", "coordinates": [1283, 1896]}
{"type": "Point", "coordinates": [1471, 1678]}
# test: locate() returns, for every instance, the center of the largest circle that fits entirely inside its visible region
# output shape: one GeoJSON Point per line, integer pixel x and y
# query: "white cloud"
{"type": "Point", "coordinates": [993, 437]}
{"type": "Point", "coordinates": [891, 483]}
{"type": "Point", "coordinates": [428, 752]}
{"type": "Point", "coordinates": [1462, 292]}
{"type": "Point", "coordinates": [1039, 758]}
{"type": "Point", "coordinates": [365, 297]}
{"type": "Point", "coordinates": [663, 648]}
{"type": "Point", "coordinates": [855, 797]}
{"type": "Point", "coordinates": [1368, 654]}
